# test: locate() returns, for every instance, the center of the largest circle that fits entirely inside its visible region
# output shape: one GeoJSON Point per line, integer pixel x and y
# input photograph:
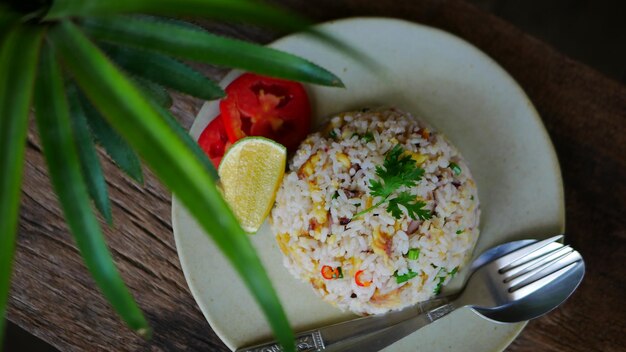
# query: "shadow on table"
{"type": "Point", "coordinates": [19, 340]}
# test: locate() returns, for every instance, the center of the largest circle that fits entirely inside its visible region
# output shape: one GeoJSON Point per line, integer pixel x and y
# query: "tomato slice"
{"type": "Point", "coordinates": [214, 140]}
{"type": "Point", "coordinates": [262, 106]}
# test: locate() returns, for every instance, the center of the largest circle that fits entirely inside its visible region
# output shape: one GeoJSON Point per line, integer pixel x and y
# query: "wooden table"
{"type": "Point", "coordinates": [54, 298]}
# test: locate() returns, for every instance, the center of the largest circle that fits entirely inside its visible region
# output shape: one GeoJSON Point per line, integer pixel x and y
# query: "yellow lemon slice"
{"type": "Point", "coordinates": [250, 174]}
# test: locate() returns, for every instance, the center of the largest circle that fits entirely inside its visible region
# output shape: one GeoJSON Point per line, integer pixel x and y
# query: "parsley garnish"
{"type": "Point", "coordinates": [367, 137]}
{"type": "Point", "coordinates": [397, 170]}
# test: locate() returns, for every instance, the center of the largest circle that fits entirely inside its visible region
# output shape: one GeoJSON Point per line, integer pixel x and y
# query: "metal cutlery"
{"type": "Point", "coordinates": [512, 282]}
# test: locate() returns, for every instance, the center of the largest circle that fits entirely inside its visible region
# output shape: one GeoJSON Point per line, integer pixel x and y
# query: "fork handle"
{"type": "Point", "coordinates": [378, 340]}
{"type": "Point", "coordinates": [325, 338]}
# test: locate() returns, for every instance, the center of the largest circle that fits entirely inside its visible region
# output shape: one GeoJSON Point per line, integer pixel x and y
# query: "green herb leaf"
{"type": "Point", "coordinates": [56, 135]}
{"type": "Point", "coordinates": [332, 134]}
{"type": "Point", "coordinates": [406, 277]}
{"type": "Point", "coordinates": [19, 50]}
{"type": "Point", "coordinates": [336, 195]}
{"type": "Point", "coordinates": [413, 254]}
{"type": "Point", "coordinates": [164, 70]}
{"type": "Point", "coordinates": [187, 43]}
{"type": "Point", "coordinates": [398, 170]}
{"type": "Point", "coordinates": [115, 146]}
{"type": "Point", "coordinates": [172, 161]}
{"type": "Point", "coordinates": [87, 155]}
{"type": "Point", "coordinates": [414, 207]}
{"type": "Point", "coordinates": [367, 137]}
{"type": "Point", "coordinates": [455, 168]}
{"type": "Point", "coordinates": [459, 231]}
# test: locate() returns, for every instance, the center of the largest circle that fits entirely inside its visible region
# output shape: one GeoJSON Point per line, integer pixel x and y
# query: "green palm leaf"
{"type": "Point", "coordinates": [164, 70]}
{"type": "Point", "coordinates": [178, 167]}
{"type": "Point", "coordinates": [53, 122]}
{"type": "Point", "coordinates": [193, 146]}
{"type": "Point", "coordinates": [154, 91]}
{"type": "Point", "coordinates": [184, 42]}
{"type": "Point", "coordinates": [88, 157]}
{"type": "Point", "coordinates": [18, 63]}
{"type": "Point", "coordinates": [254, 12]}
{"type": "Point", "coordinates": [115, 146]}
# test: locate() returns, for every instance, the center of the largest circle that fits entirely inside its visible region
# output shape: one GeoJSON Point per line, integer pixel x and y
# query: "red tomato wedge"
{"type": "Point", "coordinates": [214, 140]}
{"type": "Point", "coordinates": [262, 106]}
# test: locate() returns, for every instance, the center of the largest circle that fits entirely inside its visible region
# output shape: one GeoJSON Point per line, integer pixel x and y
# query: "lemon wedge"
{"type": "Point", "coordinates": [250, 174]}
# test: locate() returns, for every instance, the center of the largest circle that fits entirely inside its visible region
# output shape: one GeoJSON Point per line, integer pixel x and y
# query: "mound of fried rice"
{"type": "Point", "coordinates": [328, 184]}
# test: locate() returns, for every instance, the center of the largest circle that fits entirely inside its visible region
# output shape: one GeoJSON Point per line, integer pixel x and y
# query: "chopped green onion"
{"type": "Point", "coordinates": [472, 198]}
{"type": "Point", "coordinates": [357, 205]}
{"type": "Point", "coordinates": [367, 137]}
{"type": "Point", "coordinates": [404, 278]}
{"type": "Point", "coordinates": [332, 134]}
{"type": "Point", "coordinates": [459, 231]}
{"type": "Point", "coordinates": [437, 289]}
{"type": "Point", "coordinates": [336, 195]}
{"type": "Point", "coordinates": [355, 134]}
{"type": "Point", "coordinates": [454, 271]}
{"type": "Point", "coordinates": [455, 168]}
{"type": "Point", "coordinates": [413, 254]}
{"type": "Point", "coordinates": [339, 273]}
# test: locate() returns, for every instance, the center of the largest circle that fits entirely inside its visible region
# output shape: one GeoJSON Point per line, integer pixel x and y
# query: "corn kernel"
{"type": "Point", "coordinates": [343, 159]}
{"type": "Point", "coordinates": [417, 157]}
{"type": "Point", "coordinates": [320, 214]}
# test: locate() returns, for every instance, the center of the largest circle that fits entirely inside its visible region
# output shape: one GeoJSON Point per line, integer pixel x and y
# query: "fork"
{"type": "Point", "coordinates": [495, 287]}
{"type": "Point", "coordinates": [518, 286]}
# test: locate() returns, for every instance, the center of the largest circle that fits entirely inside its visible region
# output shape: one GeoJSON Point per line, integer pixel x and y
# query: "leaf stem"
{"type": "Point", "coordinates": [370, 208]}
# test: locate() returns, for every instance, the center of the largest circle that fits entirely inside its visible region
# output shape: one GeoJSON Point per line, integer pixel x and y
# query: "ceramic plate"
{"type": "Point", "coordinates": [461, 92]}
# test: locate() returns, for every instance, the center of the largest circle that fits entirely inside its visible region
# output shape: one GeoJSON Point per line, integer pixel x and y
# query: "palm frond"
{"type": "Point", "coordinates": [253, 12]}
{"type": "Point", "coordinates": [188, 43]}
{"type": "Point", "coordinates": [128, 110]}
{"type": "Point", "coordinates": [18, 64]}
{"type": "Point", "coordinates": [154, 90]}
{"type": "Point", "coordinates": [88, 156]}
{"type": "Point", "coordinates": [54, 127]}
{"type": "Point", "coordinates": [116, 147]}
{"type": "Point", "coordinates": [164, 70]}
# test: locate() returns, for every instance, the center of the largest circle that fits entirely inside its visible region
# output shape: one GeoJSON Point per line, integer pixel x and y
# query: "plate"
{"type": "Point", "coordinates": [461, 92]}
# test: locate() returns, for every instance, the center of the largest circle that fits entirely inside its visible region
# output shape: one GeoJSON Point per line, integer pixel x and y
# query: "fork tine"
{"type": "Point", "coordinates": [508, 261]}
{"type": "Point", "coordinates": [526, 269]}
{"type": "Point", "coordinates": [540, 277]}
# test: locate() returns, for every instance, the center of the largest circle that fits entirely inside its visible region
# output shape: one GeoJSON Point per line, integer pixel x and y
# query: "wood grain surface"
{"type": "Point", "coordinates": [54, 298]}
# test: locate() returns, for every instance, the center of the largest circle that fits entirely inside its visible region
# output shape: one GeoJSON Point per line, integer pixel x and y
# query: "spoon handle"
{"type": "Point", "coordinates": [383, 338]}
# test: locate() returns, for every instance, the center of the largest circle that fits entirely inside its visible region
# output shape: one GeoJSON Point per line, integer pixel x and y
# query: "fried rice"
{"type": "Point", "coordinates": [377, 261]}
